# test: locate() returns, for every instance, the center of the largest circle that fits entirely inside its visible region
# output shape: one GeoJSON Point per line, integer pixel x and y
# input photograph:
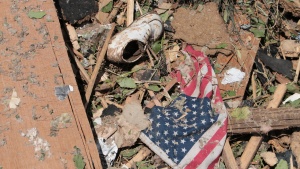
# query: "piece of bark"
{"type": "Point", "coordinates": [277, 96]}
{"type": "Point", "coordinates": [228, 156]}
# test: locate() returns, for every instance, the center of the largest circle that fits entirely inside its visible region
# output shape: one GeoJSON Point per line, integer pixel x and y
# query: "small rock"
{"type": "Point", "coordinates": [270, 158]}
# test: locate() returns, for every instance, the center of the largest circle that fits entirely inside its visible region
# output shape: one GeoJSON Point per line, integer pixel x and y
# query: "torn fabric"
{"type": "Point", "coordinates": [191, 131]}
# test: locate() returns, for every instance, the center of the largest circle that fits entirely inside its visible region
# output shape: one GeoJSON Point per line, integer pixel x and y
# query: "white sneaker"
{"type": "Point", "coordinates": [128, 45]}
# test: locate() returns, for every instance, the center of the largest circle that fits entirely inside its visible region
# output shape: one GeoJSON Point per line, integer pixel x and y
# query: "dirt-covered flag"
{"type": "Point", "coordinates": [191, 131]}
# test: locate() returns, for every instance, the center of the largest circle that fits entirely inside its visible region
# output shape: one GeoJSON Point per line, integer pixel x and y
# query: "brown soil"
{"type": "Point", "coordinates": [195, 27]}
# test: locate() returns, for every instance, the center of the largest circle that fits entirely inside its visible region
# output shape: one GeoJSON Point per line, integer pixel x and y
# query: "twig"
{"type": "Point", "coordinates": [114, 12]}
{"type": "Point", "coordinates": [139, 7]}
{"type": "Point", "coordinates": [147, 81]}
{"type": "Point", "coordinates": [130, 12]}
{"type": "Point", "coordinates": [253, 86]}
{"type": "Point", "coordinates": [103, 102]}
{"type": "Point", "coordinates": [85, 76]}
{"type": "Point", "coordinates": [159, 96]}
{"type": "Point", "coordinates": [152, 52]}
{"type": "Point", "coordinates": [78, 54]}
{"type": "Point", "coordinates": [151, 93]}
{"type": "Point", "coordinates": [98, 65]}
{"type": "Point", "coordinates": [150, 57]}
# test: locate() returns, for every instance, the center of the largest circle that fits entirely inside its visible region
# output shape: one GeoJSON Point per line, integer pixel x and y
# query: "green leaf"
{"type": "Point", "coordinates": [292, 88]}
{"type": "Point", "coordinates": [296, 103]}
{"type": "Point", "coordinates": [259, 33]}
{"type": "Point", "coordinates": [272, 89]}
{"type": "Point", "coordinates": [107, 8]}
{"type": "Point", "coordinates": [240, 113]}
{"type": "Point", "coordinates": [127, 83]}
{"type": "Point", "coordinates": [231, 93]}
{"type": "Point", "coordinates": [154, 88]}
{"type": "Point", "coordinates": [78, 159]}
{"type": "Point", "coordinates": [221, 46]}
{"type": "Point", "coordinates": [36, 14]}
{"type": "Point", "coordinates": [130, 152]}
{"type": "Point", "coordinates": [282, 165]}
{"type": "Point", "coordinates": [164, 16]}
{"type": "Point", "coordinates": [157, 46]}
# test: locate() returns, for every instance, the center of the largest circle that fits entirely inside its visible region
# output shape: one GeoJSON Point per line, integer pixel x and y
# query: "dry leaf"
{"type": "Point", "coordinates": [290, 48]}
{"type": "Point", "coordinates": [101, 16]}
{"type": "Point", "coordinates": [163, 7]}
{"type": "Point", "coordinates": [172, 54]}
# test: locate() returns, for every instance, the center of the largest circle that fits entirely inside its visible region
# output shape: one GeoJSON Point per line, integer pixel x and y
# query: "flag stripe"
{"type": "Point", "coordinates": [207, 149]}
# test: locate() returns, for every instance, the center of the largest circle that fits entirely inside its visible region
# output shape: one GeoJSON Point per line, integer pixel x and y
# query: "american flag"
{"type": "Point", "coordinates": [190, 132]}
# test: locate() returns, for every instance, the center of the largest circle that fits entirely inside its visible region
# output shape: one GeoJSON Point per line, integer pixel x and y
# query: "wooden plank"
{"type": "Point", "coordinates": [228, 157]}
{"type": "Point", "coordinates": [250, 151]}
{"type": "Point", "coordinates": [280, 118]}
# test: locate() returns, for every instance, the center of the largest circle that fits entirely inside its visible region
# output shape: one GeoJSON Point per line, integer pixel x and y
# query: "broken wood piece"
{"type": "Point", "coordinates": [142, 154]}
{"type": "Point", "coordinates": [250, 151]}
{"type": "Point", "coordinates": [277, 96]}
{"type": "Point", "coordinates": [84, 74]}
{"type": "Point", "coordinates": [228, 156]}
{"type": "Point", "coordinates": [253, 83]}
{"type": "Point", "coordinates": [297, 72]}
{"type": "Point", "coordinates": [98, 65]}
{"type": "Point", "coordinates": [277, 119]}
{"type": "Point", "coordinates": [153, 97]}
{"type": "Point", "coordinates": [130, 12]}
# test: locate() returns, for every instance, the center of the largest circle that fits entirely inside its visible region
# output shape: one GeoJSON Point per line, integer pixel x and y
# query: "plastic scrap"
{"type": "Point", "coordinates": [233, 75]}
{"type": "Point", "coordinates": [109, 150]}
{"type": "Point", "coordinates": [292, 98]}
{"type": "Point", "coordinates": [61, 92]}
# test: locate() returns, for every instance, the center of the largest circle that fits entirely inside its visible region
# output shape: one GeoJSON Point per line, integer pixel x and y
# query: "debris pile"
{"type": "Point", "coordinates": [173, 85]}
